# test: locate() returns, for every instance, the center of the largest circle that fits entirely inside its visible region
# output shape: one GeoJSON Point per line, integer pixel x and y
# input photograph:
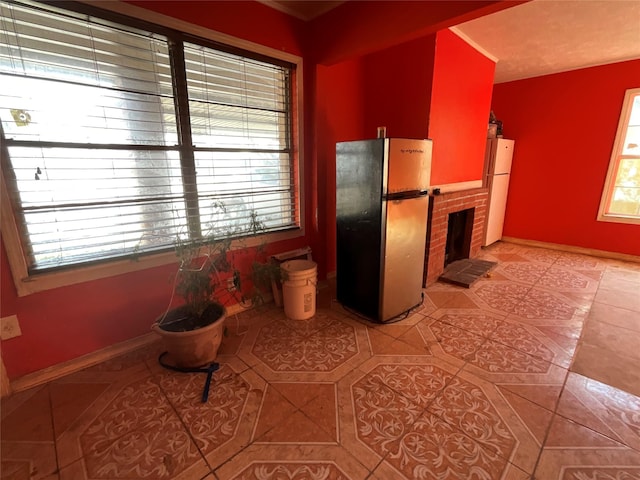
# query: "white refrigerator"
{"type": "Point", "coordinates": [499, 154]}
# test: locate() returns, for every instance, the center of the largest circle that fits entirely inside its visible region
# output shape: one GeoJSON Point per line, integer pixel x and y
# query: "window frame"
{"type": "Point", "coordinates": [616, 156]}
{"type": "Point", "coordinates": [27, 284]}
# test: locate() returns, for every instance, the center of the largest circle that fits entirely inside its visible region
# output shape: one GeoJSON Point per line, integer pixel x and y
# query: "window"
{"type": "Point", "coordinates": [118, 136]}
{"type": "Point", "coordinates": [621, 197]}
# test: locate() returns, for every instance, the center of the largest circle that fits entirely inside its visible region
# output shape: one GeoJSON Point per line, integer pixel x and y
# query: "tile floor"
{"type": "Point", "coordinates": [476, 384]}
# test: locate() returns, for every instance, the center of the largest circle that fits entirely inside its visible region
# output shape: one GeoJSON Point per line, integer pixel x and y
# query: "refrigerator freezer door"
{"type": "Point", "coordinates": [497, 206]}
{"type": "Point", "coordinates": [503, 156]}
{"type": "Point", "coordinates": [403, 250]}
{"type": "Point", "coordinates": [359, 224]}
{"type": "Point", "coordinates": [408, 165]}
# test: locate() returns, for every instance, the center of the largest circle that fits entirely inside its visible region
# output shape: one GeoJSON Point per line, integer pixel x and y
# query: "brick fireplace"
{"type": "Point", "coordinates": [440, 207]}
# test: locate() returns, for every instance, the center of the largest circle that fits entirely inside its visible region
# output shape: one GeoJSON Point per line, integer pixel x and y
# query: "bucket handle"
{"type": "Point", "coordinates": [313, 282]}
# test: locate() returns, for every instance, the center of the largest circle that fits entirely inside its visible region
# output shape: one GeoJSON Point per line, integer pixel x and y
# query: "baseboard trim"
{"type": "Point", "coordinates": [573, 249]}
{"type": "Point", "coordinates": [76, 364]}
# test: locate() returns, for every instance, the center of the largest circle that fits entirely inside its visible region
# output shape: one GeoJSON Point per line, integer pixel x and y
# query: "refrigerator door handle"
{"type": "Point", "coordinates": [405, 194]}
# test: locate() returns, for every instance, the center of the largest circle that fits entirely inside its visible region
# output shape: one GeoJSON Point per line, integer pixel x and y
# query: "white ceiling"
{"type": "Point", "coordinates": [549, 36]}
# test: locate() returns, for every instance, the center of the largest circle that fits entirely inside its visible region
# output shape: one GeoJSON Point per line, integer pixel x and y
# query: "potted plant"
{"type": "Point", "coordinates": [192, 333]}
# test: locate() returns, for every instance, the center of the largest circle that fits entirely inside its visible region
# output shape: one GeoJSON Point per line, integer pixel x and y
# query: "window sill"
{"type": "Point", "coordinates": [47, 281]}
{"type": "Point", "coordinates": [619, 219]}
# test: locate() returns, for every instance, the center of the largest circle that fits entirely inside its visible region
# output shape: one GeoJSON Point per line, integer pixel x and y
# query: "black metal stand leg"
{"type": "Point", "coordinates": [208, 370]}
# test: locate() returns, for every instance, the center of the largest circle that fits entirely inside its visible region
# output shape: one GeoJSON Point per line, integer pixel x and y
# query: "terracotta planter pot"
{"type": "Point", "coordinates": [196, 347]}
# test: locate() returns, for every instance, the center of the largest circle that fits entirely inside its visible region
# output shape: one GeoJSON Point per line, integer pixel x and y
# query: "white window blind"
{"type": "Point", "coordinates": [240, 123]}
{"type": "Point", "coordinates": [118, 139]}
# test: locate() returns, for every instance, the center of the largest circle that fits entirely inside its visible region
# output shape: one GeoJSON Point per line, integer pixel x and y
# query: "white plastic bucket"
{"type": "Point", "coordinates": [299, 288]}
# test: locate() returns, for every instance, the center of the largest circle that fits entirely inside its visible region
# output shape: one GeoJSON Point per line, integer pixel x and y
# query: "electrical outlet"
{"type": "Point", "coordinates": [9, 327]}
{"type": "Point", "coordinates": [231, 284]}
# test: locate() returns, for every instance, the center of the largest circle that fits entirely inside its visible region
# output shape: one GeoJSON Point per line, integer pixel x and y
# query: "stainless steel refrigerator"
{"type": "Point", "coordinates": [381, 212]}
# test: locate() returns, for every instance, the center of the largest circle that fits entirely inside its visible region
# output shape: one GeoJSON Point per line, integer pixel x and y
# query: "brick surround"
{"type": "Point", "coordinates": [440, 207]}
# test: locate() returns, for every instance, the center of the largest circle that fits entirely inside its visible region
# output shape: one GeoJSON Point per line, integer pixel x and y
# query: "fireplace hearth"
{"type": "Point", "coordinates": [466, 272]}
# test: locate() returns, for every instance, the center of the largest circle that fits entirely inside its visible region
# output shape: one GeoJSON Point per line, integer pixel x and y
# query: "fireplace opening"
{"type": "Point", "coordinates": [440, 207]}
{"type": "Point", "coordinates": [459, 229]}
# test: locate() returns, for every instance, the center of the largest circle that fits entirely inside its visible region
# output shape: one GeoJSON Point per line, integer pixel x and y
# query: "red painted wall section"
{"type": "Point", "coordinates": [564, 127]}
{"type": "Point", "coordinates": [64, 323]}
{"type": "Point", "coordinates": [248, 20]}
{"type": "Point", "coordinates": [339, 118]}
{"type": "Point", "coordinates": [397, 89]}
{"type": "Point", "coordinates": [460, 105]}
{"type": "Point", "coordinates": [68, 322]}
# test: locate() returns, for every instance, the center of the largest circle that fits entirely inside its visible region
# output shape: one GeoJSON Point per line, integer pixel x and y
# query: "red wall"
{"type": "Point", "coordinates": [564, 126]}
{"type": "Point", "coordinates": [397, 89]}
{"type": "Point", "coordinates": [460, 105]}
{"type": "Point", "coordinates": [339, 118]}
{"type": "Point", "coordinates": [68, 322]}
{"type": "Point", "coordinates": [248, 20]}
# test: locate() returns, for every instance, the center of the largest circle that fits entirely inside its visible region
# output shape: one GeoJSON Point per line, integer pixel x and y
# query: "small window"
{"type": "Point", "coordinates": [621, 197]}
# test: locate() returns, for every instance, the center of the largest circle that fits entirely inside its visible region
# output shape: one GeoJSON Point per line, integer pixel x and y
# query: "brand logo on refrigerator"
{"type": "Point", "coordinates": [411, 150]}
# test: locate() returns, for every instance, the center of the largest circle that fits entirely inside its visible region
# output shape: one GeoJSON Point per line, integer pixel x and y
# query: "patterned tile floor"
{"type": "Point", "coordinates": [476, 384]}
